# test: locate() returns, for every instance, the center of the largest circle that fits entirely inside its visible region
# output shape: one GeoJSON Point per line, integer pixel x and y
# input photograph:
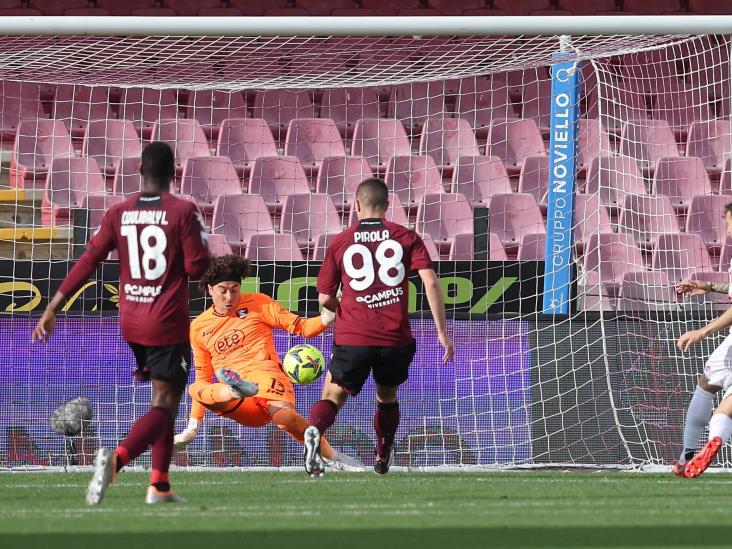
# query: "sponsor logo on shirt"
{"type": "Point", "coordinates": [382, 299]}
{"type": "Point", "coordinates": [228, 341]}
{"type": "Point", "coordinates": [140, 293]}
{"type": "Point", "coordinates": [242, 313]}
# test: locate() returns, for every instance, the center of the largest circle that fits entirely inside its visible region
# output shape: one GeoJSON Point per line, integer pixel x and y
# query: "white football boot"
{"type": "Point", "coordinates": [105, 469]}
{"type": "Point", "coordinates": [314, 465]}
{"type": "Point", "coordinates": [344, 462]}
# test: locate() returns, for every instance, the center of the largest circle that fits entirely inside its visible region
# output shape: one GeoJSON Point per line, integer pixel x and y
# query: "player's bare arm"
{"type": "Point", "coordinates": [433, 290]}
{"type": "Point", "coordinates": [701, 287]}
{"type": "Point", "coordinates": [45, 325]}
{"type": "Point", "coordinates": [694, 336]}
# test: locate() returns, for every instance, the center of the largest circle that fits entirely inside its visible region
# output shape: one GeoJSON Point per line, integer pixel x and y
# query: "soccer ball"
{"type": "Point", "coordinates": [304, 364]}
{"type": "Point", "coordinates": [70, 418]}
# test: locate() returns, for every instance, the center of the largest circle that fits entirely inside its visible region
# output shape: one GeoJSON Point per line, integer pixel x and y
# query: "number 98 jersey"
{"type": "Point", "coordinates": [371, 261]}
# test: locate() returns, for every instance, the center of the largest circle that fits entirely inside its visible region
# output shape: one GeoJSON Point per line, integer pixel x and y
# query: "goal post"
{"type": "Point", "coordinates": [565, 173]}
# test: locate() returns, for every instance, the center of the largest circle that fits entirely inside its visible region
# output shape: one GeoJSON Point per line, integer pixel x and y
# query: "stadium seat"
{"type": "Point", "coordinates": [710, 7]}
{"type": "Point", "coordinates": [513, 140]}
{"type": "Point", "coordinates": [719, 302]}
{"type": "Point", "coordinates": [239, 216]}
{"type": "Point", "coordinates": [455, 7]}
{"type": "Point", "coordinates": [378, 140]}
{"type": "Point", "coordinates": [7, 12]}
{"type": "Point", "coordinates": [625, 103]}
{"type": "Point", "coordinates": [496, 250]}
{"type": "Point", "coordinates": [321, 245]}
{"type": "Point", "coordinates": [461, 248]}
{"type": "Point", "coordinates": [218, 245]}
{"type": "Point", "coordinates": [37, 142]}
{"type": "Point", "coordinates": [652, 71]}
{"type": "Point", "coordinates": [646, 291]}
{"type": "Point", "coordinates": [345, 106]}
{"type": "Point", "coordinates": [725, 181]}
{"type": "Point", "coordinates": [537, 103]}
{"type": "Point", "coordinates": [116, 8]}
{"type": "Point", "coordinates": [679, 255]}
{"type": "Point", "coordinates": [190, 7]}
{"type": "Point", "coordinates": [590, 217]}
{"type": "Point", "coordinates": [592, 141]}
{"type": "Point", "coordinates": [275, 177]}
{"type": "Point", "coordinates": [145, 107]}
{"type": "Point", "coordinates": [515, 81]}
{"type": "Point", "coordinates": [18, 101]}
{"type": "Point", "coordinates": [647, 140]}
{"type": "Point", "coordinates": [479, 178]}
{"type": "Point", "coordinates": [680, 105]}
{"type": "Point", "coordinates": [127, 178]}
{"type": "Point", "coordinates": [646, 217]}
{"type": "Point", "coordinates": [109, 141]}
{"type": "Point", "coordinates": [57, 7]}
{"type": "Point", "coordinates": [592, 295]}
{"type": "Point", "coordinates": [614, 177]}
{"type": "Point", "coordinates": [86, 12]}
{"type": "Point", "coordinates": [353, 12]}
{"type": "Point", "coordinates": [69, 181]}
{"type": "Point", "coordinates": [706, 218]}
{"type": "Point", "coordinates": [514, 215]}
{"type": "Point", "coordinates": [185, 137]}
{"type": "Point", "coordinates": [431, 247]}
{"type": "Point", "coordinates": [480, 102]}
{"type": "Point", "coordinates": [311, 140]}
{"type": "Point", "coordinates": [212, 107]}
{"type": "Point", "coordinates": [522, 8]}
{"type": "Point", "coordinates": [324, 7]}
{"type": "Point", "coordinates": [95, 206]}
{"type": "Point", "coordinates": [411, 177]}
{"type": "Point", "coordinates": [388, 7]}
{"type": "Point", "coordinates": [257, 8]}
{"type": "Point", "coordinates": [709, 69]}
{"type": "Point", "coordinates": [651, 7]}
{"type": "Point", "coordinates": [612, 255]}
{"type": "Point", "coordinates": [245, 139]}
{"type": "Point", "coordinates": [532, 247]}
{"type": "Point", "coordinates": [680, 179]}
{"type": "Point", "coordinates": [414, 103]}
{"type": "Point", "coordinates": [446, 140]}
{"type": "Point", "coordinates": [273, 247]}
{"type": "Point", "coordinates": [77, 105]}
{"type": "Point", "coordinates": [220, 12]}
{"type": "Point", "coordinates": [279, 106]}
{"type": "Point", "coordinates": [339, 177]}
{"type": "Point", "coordinates": [534, 178]}
{"type": "Point", "coordinates": [711, 141]}
{"type": "Point", "coordinates": [443, 216]}
{"type": "Point", "coordinates": [395, 213]}
{"type": "Point", "coordinates": [153, 12]}
{"type": "Point", "coordinates": [583, 7]}
{"type": "Point", "coordinates": [207, 177]}
{"type": "Point", "coordinates": [309, 215]}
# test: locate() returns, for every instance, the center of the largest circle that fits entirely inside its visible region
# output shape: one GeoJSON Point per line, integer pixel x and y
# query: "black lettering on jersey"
{"type": "Point", "coordinates": [145, 201]}
{"type": "Point", "coordinates": [228, 340]}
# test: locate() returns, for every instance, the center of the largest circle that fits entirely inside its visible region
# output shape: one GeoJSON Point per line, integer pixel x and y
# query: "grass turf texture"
{"type": "Point", "coordinates": [449, 511]}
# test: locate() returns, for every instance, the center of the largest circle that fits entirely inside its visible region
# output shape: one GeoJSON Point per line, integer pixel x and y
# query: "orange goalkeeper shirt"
{"type": "Point", "coordinates": [243, 340]}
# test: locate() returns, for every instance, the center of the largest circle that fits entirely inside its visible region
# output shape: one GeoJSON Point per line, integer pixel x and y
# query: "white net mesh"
{"type": "Point", "coordinates": [271, 137]}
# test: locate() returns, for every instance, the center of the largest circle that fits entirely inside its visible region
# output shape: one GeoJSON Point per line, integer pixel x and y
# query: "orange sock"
{"type": "Point", "coordinates": [210, 394]}
{"type": "Point", "coordinates": [294, 424]}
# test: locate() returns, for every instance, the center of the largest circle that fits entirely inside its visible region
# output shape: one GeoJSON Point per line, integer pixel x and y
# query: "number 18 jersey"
{"type": "Point", "coordinates": [372, 260]}
{"type": "Point", "coordinates": [161, 242]}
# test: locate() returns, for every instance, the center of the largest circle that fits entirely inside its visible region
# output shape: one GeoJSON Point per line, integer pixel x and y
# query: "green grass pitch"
{"type": "Point", "coordinates": [350, 511]}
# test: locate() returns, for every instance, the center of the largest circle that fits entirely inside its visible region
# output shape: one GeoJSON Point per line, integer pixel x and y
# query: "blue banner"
{"type": "Point", "coordinates": [562, 139]}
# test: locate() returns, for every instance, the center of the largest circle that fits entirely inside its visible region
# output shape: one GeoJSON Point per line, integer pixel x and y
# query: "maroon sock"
{"type": "Point", "coordinates": [144, 432]}
{"type": "Point", "coordinates": [323, 414]}
{"type": "Point", "coordinates": [386, 421]}
{"type": "Point", "coordinates": [162, 452]}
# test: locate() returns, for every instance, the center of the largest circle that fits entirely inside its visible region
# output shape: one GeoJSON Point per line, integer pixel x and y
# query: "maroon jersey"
{"type": "Point", "coordinates": [161, 242]}
{"type": "Point", "coordinates": [372, 260]}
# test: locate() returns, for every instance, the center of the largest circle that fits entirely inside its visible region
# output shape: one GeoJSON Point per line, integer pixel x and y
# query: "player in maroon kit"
{"type": "Point", "coordinates": [370, 262]}
{"type": "Point", "coordinates": [161, 242]}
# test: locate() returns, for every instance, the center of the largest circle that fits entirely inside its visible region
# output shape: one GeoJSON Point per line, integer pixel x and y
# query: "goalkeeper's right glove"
{"type": "Point", "coordinates": [181, 440]}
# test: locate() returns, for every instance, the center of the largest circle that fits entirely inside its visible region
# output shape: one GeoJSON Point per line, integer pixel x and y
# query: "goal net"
{"type": "Point", "coordinates": [484, 157]}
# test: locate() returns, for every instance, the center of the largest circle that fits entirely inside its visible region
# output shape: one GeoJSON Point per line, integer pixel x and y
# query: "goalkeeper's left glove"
{"type": "Point", "coordinates": [181, 440]}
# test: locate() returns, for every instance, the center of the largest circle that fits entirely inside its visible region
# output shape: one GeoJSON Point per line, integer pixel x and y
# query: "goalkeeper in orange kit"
{"type": "Point", "coordinates": [234, 339]}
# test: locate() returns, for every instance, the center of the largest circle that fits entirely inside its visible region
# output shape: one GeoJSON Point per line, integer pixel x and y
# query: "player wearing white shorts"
{"type": "Point", "coordinates": [717, 376]}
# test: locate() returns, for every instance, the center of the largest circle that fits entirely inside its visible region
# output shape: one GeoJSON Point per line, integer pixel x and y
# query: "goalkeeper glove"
{"type": "Point", "coordinates": [181, 440]}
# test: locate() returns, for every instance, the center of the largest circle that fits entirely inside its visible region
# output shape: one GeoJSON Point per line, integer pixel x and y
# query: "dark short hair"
{"type": "Point", "coordinates": [230, 266]}
{"type": "Point", "coordinates": [373, 193]}
{"type": "Point", "coordinates": [728, 208]}
{"type": "Point", "coordinates": [158, 162]}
